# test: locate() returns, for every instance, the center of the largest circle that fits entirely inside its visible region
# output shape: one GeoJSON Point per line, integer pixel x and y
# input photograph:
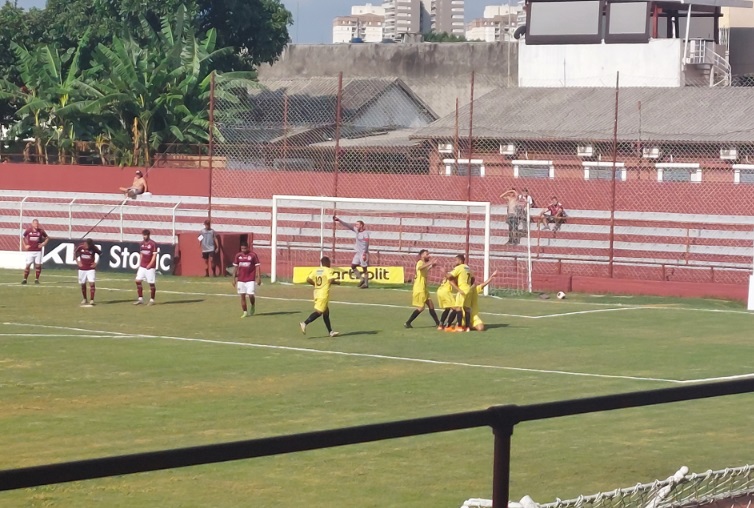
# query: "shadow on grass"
{"type": "Point", "coordinates": [361, 332]}
{"type": "Point", "coordinates": [279, 313]}
{"type": "Point", "coordinates": [179, 302]}
{"type": "Point", "coordinates": [498, 325]}
{"type": "Point", "coordinates": [113, 302]}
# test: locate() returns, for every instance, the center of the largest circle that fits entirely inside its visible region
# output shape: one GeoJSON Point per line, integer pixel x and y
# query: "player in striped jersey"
{"type": "Point", "coordinates": [421, 293]}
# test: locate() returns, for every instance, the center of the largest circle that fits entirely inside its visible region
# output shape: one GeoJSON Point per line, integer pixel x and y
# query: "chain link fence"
{"type": "Point", "coordinates": [635, 183]}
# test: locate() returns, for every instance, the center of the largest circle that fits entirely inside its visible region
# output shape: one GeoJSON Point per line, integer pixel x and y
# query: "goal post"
{"type": "Point", "coordinates": [302, 230]}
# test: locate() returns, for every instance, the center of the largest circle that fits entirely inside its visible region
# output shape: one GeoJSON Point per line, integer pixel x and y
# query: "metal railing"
{"type": "Point", "coordinates": [702, 52]}
{"type": "Point", "coordinates": [502, 420]}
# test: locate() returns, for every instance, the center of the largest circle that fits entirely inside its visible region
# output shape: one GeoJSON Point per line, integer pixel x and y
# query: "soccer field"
{"type": "Point", "coordinates": [80, 383]}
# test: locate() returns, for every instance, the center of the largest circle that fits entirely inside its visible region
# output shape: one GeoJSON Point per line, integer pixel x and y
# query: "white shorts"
{"type": "Point", "coordinates": [86, 276]}
{"type": "Point", "coordinates": [34, 257]}
{"type": "Point", "coordinates": [359, 261]}
{"type": "Point", "coordinates": [246, 288]}
{"type": "Point", "coordinates": [144, 273]}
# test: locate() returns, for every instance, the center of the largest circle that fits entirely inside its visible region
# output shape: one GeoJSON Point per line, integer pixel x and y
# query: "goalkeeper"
{"type": "Point", "coordinates": [361, 256]}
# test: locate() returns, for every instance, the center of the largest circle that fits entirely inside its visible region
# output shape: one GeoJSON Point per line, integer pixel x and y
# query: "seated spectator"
{"type": "Point", "coordinates": [138, 187]}
{"type": "Point", "coordinates": [553, 214]}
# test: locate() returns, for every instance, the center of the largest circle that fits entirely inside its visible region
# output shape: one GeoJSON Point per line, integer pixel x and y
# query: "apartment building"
{"type": "Point", "coordinates": [498, 24]}
{"type": "Point", "coordinates": [366, 27]}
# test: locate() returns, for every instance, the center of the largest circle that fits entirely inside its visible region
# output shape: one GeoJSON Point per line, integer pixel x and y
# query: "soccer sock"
{"type": "Point", "coordinates": [139, 289]}
{"type": "Point", "coordinates": [451, 317]}
{"type": "Point", "coordinates": [459, 318]}
{"type": "Point", "coordinates": [83, 291]}
{"type": "Point", "coordinates": [467, 312]}
{"type": "Point", "coordinates": [152, 291]}
{"type": "Point", "coordinates": [326, 318]}
{"type": "Point", "coordinates": [243, 303]}
{"type": "Point", "coordinates": [444, 317]}
{"type": "Point", "coordinates": [312, 317]}
{"type": "Point", "coordinates": [434, 315]}
{"type": "Point", "coordinates": [414, 315]}
{"type": "Point", "coordinates": [26, 273]}
{"type": "Point", "coordinates": [252, 300]}
{"type": "Point", "coordinates": [37, 272]}
{"type": "Point", "coordinates": [91, 291]}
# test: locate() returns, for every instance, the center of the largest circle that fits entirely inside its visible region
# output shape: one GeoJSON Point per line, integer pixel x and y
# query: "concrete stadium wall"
{"type": "Point", "coordinates": [436, 72]}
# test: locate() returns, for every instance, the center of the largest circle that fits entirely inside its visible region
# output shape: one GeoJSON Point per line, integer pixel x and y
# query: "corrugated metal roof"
{"type": "Point", "coordinates": [723, 115]}
{"type": "Point", "coordinates": [396, 138]}
{"type": "Point", "coordinates": [313, 100]}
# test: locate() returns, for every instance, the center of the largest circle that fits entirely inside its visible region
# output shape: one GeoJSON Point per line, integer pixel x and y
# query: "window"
{"type": "Point", "coordinates": [627, 22]}
{"type": "Point", "coordinates": [743, 173]}
{"type": "Point", "coordinates": [604, 171]}
{"type": "Point", "coordinates": [533, 169]}
{"type": "Point", "coordinates": [678, 172]}
{"type": "Point", "coordinates": [575, 22]}
{"type": "Point", "coordinates": [460, 167]}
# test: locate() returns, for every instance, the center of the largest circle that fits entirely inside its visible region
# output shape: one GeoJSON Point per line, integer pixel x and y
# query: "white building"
{"type": "Point", "coordinates": [360, 10]}
{"type": "Point", "coordinates": [421, 16]}
{"type": "Point", "coordinates": [367, 27]}
{"type": "Point", "coordinates": [497, 25]}
{"type": "Point", "coordinates": [655, 43]}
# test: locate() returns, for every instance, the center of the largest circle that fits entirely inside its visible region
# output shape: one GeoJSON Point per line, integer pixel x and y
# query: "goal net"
{"type": "Point", "coordinates": [303, 230]}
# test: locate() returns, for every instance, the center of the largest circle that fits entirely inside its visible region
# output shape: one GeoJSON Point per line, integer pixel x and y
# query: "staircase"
{"type": "Point", "coordinates": [705, 66]}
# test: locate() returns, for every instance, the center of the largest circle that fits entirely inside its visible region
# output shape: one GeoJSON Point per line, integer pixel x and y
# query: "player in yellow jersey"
{"type": "Point", "coordinates": [446, 300]}
{"type": "Point", "coordinates": [321, 278]}
{"type": "Point", "coordinates": [421, 293]}
{"type": "Point", "coordinates": [460, 278]}
{"type": "Point", "coordinates": [476, 322]}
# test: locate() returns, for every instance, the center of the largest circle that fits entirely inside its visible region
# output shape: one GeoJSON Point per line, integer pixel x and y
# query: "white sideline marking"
{"type": "Point", "coordinates": [117, 335]}
{"type": "Point", "coordinates": [613, 307]}
{"type": "Point", "coordinates": [70, 328]}
{"type": "Point", "coordinates": [58, 335]}
{"type": "Point", "coordinates": [722, 378]}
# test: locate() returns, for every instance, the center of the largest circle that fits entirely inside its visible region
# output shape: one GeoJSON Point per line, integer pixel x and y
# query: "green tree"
{"type": "Point", "coordinates": [148, 98]}
{"type": "Point", "coordinates": [48, 79]}
{"type": "Point", "coordinates": [24, 28]}
{"type": "Point", "coordinates": [442, 37]}
{"type": "Point", "coordinates": [257, 30]}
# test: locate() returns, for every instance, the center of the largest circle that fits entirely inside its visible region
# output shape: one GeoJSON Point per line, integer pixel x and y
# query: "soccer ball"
{"type": "Point", "coordinates": [561, 295]}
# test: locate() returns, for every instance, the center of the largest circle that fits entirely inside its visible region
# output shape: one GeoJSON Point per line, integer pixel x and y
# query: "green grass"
{"type": "Point", "coordinates": [64, 396]}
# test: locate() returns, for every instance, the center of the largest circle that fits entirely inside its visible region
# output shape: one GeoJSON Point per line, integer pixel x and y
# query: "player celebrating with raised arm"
{"type": "Point", "coordinates": [361, 256]}
{"type": "Point", "coordinates": [86, 258]}
{"type": "Point", "coordinates": [245, 275]}
{"type": "Point", "coordinates": [460, 278]}
{"type": "Point", "coordinates": [421, 293]}
{"type": "Point", "coordinates": [34, 240]}
{"type": "Point", "coordinates": [321, 278]}
{"type": "Point", "coordinates": [476, 322]}
{"type": "Point", "coordinates": [147, 268]}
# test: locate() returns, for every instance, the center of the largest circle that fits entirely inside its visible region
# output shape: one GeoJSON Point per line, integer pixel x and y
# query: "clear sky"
{"type": "Point", "coordinates": [313, 18]}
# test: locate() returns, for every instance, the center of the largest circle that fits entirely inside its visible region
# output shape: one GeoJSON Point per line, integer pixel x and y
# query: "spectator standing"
{"type": "Point", "coordinates": [510, 197]}
{"type": "Point", "coordinates": [210, 248]}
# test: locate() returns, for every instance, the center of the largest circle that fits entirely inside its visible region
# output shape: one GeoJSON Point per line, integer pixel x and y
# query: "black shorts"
{"type": "Point", "coordinates": [207, 255]}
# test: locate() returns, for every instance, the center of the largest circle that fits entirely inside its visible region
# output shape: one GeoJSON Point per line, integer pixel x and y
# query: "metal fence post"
{"type": "Point", "coordinates": [504, 419]}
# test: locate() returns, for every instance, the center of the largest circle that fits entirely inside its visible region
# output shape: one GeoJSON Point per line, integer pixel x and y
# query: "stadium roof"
{"type": "Point", "coordinates": [713, 115]}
